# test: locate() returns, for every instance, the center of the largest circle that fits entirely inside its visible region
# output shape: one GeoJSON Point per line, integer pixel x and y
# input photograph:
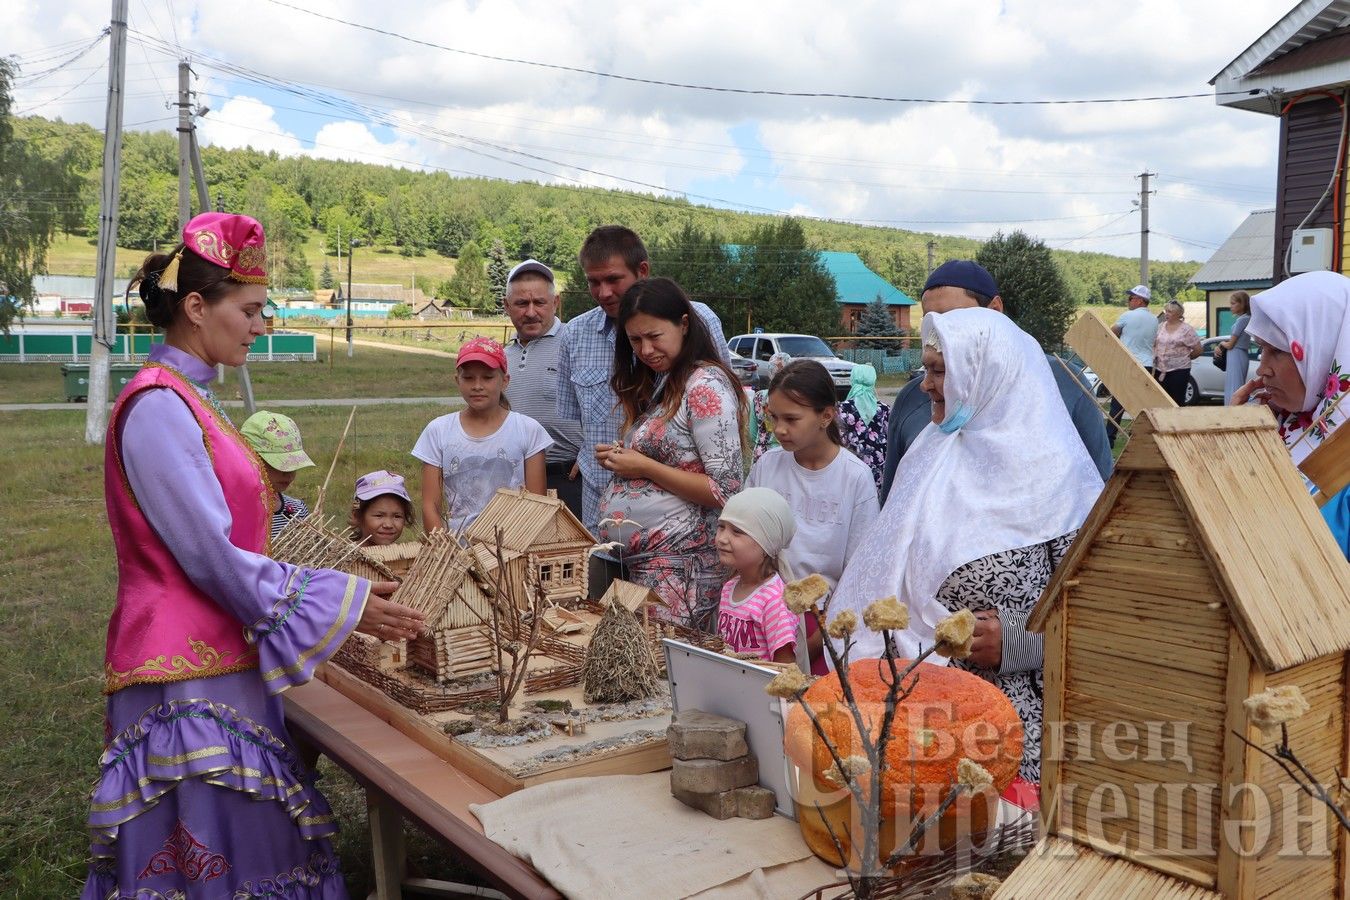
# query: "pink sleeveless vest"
{"type": "Point", "coordinates": [163, 628]}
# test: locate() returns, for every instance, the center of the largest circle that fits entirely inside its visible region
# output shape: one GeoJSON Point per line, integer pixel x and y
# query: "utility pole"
{"type": "Point", "coordinates": [105, 322]}
{"type": "Point", "coordinates": [1143, 224]}
{"type": "Point", "coordinates": [932, 246]}
{"type": "Point", "coordinates": [184, 145]}
{"type": "Point", "coordinates": [350, 253]}
{"type": "Point", "coordinates": [204, 204]}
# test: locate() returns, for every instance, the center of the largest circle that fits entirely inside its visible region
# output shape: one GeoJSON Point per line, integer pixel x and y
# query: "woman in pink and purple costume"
{"type": "Point", "coordinates": [201, 792]}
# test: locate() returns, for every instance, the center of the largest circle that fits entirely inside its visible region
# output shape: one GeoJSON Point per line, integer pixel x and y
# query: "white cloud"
{"type": "Point", "coordinates": [832, 157]}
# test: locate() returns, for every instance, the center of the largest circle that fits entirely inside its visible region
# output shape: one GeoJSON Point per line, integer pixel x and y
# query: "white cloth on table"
{"type": "Point", "coordinates": [626, 836]}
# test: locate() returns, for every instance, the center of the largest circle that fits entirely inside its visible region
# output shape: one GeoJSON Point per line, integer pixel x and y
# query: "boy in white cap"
{"type": "Point", "coordinates": [276, 440]}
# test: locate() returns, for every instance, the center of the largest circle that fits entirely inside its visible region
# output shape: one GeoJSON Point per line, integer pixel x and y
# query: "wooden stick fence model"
{"type": "Point", "coordinates": [323, 488]}
{"type": "Point", "coordinates": [315, 543]}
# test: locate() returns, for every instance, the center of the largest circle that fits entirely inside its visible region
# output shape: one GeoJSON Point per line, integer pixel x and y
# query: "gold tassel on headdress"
{"type": "Point", "coordinates": [168, 279]}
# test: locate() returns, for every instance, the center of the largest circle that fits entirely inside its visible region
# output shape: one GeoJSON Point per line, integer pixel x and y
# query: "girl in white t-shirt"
{"type": "Point", "coordinates": [831, 491]}
{"type": "Point", "coordinates": [466, 456]}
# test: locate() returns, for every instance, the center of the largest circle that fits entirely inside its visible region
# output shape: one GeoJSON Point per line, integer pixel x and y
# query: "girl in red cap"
{"type": "Point", "coordinates": [466, 456]}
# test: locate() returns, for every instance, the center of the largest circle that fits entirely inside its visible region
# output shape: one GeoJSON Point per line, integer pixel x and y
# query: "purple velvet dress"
{"type": "Point", "coordinates": [201, 793]}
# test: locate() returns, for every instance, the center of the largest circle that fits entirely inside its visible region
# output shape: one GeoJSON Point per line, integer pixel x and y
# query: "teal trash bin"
{"type": "Point", "coordinates": [75, 379]}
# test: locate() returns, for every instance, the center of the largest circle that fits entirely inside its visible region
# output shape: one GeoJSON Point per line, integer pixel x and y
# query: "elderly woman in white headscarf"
{"type": "Point", "coordinates": [1302, 326]}
{"type": "Point", "coordinates": [984, 505]}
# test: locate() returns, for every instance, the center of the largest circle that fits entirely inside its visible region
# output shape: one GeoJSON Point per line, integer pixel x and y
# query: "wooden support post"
{"type": "Point", "coordinates": [386, 845]}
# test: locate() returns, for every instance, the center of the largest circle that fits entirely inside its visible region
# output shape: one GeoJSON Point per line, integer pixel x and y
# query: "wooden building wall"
{"type": "Point", "coordinates": [1318, 738]}
{"type": "Point", "coordinates": [1309, 137]}
{"type": "Point", "coordinates": [1146, 642]}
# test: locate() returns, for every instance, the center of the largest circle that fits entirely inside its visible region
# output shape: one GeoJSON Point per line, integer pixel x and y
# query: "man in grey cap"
{"type": "Point", "coordinates": [532, 357]}
{"type": "Point", "coordinates": [1136, 330]}
{"type": "Point", "coordinates": [961, 284]}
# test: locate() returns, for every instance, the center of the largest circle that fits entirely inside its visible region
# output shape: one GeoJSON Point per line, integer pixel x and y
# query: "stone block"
{"type": "Point", "coordinates": [694, 734]}
{"type": "Point", "coordinates": [754, 802]}
{"type": "Point", "coordinates": [712, 776]}
{"type": "Point", "coordinates": [721, 805]}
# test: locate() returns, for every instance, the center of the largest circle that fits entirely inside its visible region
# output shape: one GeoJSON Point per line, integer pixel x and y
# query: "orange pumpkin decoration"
{"type": "Point", "coordinates": [948, 715]}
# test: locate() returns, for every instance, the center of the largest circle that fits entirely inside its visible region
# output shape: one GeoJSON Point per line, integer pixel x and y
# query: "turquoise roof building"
{"type": "Point", "coordinates": [857, 284]}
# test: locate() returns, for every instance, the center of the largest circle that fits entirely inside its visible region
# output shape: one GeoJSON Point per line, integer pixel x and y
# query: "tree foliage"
{"type": "Point", "coordinates": [39, 194]}
{"type": "Point", "coordinates": [497, 270]}
{"type": "Point", "coordinates": [1031, 285]}
{"type": "Point", "coordinates": [414, 212]}
{"type": "Point", "coordinates": [469, 285]}
{"type": "Point", "coordinates": [326, 276]}
{"type": "Point", "coordinates": [400, 311]}
{"type": "Point", "coordinates": [876, 321]}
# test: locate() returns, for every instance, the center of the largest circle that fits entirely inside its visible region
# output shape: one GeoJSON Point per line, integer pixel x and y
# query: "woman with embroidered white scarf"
{"type": "Point", "coordinates": [983, 506]}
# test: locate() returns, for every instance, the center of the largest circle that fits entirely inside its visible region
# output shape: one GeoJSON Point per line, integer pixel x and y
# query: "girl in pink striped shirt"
{"type": "Point", "coordinates": [752, 530]}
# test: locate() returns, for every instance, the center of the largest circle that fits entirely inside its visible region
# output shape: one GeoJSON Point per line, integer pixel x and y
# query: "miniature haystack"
{"type": "Point", "coordinates": [619, 663]}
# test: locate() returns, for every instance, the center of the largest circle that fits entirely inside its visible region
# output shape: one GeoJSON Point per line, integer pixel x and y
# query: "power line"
{"type": "Point", "coordinates": [764, 92]}
{"type": "Point", "coordinates": [29, 80]}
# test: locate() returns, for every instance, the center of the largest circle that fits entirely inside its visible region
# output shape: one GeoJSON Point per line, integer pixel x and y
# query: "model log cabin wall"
{"type": "Point", "coordinates": [533, 527]}
{"type": "Point", "coordinates": [1203, 575]}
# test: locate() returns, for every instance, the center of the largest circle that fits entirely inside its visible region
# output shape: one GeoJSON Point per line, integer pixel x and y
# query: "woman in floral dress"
{"type": "Point", "coordinates": [680, 456]}
{"type": "Point", "coordinates": [863, 420]}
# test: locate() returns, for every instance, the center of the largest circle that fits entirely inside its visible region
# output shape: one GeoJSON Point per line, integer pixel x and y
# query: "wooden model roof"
{"type": "Point", "coordinates": [388, 553]}
{"type": "Point", "coordinates": [1286, 581]}
{"type": "Point", "coordinates": [630, 596]}
{"type": "Point", "coordinates": [441, 584]}
{"type": "Point", "coordinates": [526, 520]}
{"type": "Point", "coordinates": [1057, 869]}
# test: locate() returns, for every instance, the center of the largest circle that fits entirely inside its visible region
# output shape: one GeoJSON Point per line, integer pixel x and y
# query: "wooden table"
{"type": "Point", "coordinates": [405, 781]}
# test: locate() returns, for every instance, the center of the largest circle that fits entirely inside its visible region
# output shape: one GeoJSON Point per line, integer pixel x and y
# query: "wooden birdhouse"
{"type": "Point", "coordinates": [1203, 575]}
{"type": "Point", "coordinates": [538, 531]}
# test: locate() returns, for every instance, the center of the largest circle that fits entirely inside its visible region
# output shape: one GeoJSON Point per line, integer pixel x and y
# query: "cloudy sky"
{"type": "Point", "coordinates": [279, 78]}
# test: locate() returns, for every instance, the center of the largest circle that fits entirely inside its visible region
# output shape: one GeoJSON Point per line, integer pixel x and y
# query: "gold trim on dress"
{"type": "Point", "coordinates": [209, 663]}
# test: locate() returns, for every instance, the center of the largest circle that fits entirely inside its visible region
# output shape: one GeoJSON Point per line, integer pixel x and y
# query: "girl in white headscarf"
{"type": "Point", "coordinates": [984, 504]}
{"type": "Point", "coordinates": [753, 529]}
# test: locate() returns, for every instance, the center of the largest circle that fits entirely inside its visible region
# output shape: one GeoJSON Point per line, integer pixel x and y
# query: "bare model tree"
{"type": "Point", "coordinates": [862, 773]}
{"type": "Point", "coordinates": [515, 633]}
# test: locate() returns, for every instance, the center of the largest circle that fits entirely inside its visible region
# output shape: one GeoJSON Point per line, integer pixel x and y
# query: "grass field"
{"type": "Point", "coordinates": [59, 580]}
{"type": "Point", "coordinates": [371, 372]}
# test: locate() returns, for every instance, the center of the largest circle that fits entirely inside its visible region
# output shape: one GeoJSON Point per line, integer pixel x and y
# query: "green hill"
{"type": "Point", "coordinates": [414, 223]}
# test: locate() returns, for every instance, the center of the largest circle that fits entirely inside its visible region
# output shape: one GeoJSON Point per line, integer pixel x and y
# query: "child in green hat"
{"type": "Point", "coordinates": [276, 439]}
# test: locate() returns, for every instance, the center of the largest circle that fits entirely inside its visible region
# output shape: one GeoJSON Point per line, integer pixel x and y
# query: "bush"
{"type": "Point", "coordinates": [401, 311]}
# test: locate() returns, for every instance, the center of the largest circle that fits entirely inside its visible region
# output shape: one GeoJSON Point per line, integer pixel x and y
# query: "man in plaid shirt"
{"type": "Point", "coordinates": [613, 258]}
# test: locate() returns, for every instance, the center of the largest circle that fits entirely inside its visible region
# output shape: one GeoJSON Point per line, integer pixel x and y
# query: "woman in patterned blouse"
{"type": "Point", "coordinates": [863, 420]}
{"type": "Point", "coordinates": [681, 454]}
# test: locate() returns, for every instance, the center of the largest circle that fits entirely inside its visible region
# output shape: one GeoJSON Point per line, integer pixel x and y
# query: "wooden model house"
{"type": "Point", "coordinates": [535, 530]}
{"type": "Point", "coordinates": [398, 558]}
{"type": "Point", "coordinates": [1203, 575]}
{"type": "Point", "coordinates": [444, 584]}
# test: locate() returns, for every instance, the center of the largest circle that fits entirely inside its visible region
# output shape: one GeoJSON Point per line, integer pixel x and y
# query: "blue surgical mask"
{"type": "Point", "coordinates": [957, 420]}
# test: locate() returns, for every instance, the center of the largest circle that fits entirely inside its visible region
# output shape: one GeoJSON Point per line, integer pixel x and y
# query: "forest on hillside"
{"type": "Point", "coordinates": [433, 212]}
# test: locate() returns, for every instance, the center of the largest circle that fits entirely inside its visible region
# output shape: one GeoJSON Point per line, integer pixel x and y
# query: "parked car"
{"type": "Point", "coordinates": [1206, 384]}
{"type": "Point", "coordinates": [745, 369]}
{"type": "Point", "coordinates": [1207, 378]}
{"type": "Point", "coordinates": [760, 347]}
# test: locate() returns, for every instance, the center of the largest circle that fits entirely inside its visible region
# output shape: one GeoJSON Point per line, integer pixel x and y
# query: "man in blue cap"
{"type": "Point", "coordinates": [961, 284]}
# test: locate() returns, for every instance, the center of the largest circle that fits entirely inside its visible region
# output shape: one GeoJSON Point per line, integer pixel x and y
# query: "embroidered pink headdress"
{"type": "Point", "coordinates": [227, 240]}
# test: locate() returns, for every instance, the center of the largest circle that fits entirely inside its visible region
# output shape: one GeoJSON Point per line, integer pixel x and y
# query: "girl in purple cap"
{"type": "Point", "coordinates": [381, 509]}
{"type": "Point", "coordinates": [201, 791]}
